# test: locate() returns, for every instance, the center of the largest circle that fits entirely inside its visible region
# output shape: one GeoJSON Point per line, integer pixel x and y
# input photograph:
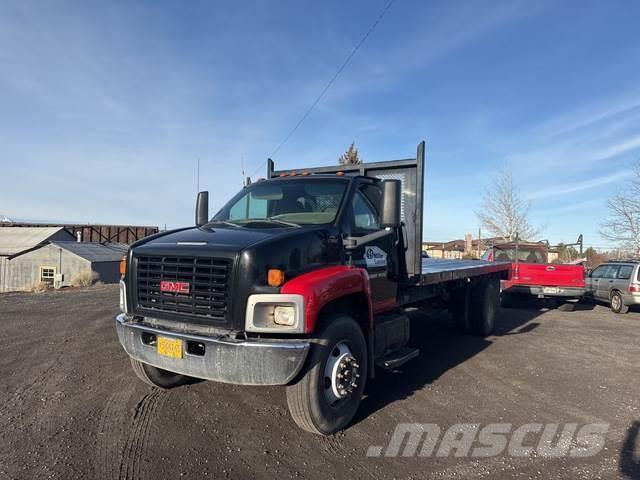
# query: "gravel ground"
{"type": "Point", "coordinates": [72, 408]}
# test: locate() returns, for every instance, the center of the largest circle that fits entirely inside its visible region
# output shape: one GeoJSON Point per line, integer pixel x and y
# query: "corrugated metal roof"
{"type": "Point", "coordinates": [96, 252]}
{"type": "Point", "coordinates": [16, 240]}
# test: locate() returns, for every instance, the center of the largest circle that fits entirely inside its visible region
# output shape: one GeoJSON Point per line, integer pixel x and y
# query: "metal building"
{"type": "Point", "coordinates": [29, 255]}
{"type": "Point", "coordinates": [95, 233]}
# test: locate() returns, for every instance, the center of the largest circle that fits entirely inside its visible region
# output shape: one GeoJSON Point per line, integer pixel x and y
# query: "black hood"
{"type": "Point", "coordinates": [230, 239]}
{"type": "Point", "coordinates": [248, 253]}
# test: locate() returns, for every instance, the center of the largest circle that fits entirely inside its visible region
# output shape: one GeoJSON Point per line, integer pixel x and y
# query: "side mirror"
{"type": "Point", "coordinates": [202, 209]}
{"type": "Point", "coordinates": [391, 202]}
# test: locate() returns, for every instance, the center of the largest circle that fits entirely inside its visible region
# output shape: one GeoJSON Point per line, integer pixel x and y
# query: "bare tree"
{"type": "Point", "coordinates": [350, 157]}
{"type": "Point", "coordinates": [623, 223]}
{"type": "Point", "coordinates": [503, 213]}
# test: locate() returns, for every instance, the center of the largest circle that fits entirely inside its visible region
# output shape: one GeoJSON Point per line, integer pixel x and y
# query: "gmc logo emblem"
{"type": "Point", "coordinates": [174, 287]}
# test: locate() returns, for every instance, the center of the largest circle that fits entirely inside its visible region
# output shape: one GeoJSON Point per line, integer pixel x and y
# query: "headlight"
{"type": "Point", "coordinates": [284, 315]}
{"type": "Point", "coordinates": [275, 313]}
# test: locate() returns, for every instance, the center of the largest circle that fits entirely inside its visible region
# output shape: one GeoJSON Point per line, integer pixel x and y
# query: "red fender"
{"type": "Point", "coordinates": [320, 287]}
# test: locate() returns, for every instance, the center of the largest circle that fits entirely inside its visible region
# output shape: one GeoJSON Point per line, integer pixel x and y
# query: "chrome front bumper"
{"type": "Point", "coordinates": [242, 362]}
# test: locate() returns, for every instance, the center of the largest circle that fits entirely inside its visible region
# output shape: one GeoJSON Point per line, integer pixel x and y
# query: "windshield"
{"type": "Point", "coordinates": [286, 203]}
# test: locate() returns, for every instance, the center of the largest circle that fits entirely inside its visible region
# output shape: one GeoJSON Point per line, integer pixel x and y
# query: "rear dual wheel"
{"type": "Point", "coordinates": [507, 300]}
{"type": "Point", "coordinates": [326, 396]}
{"type": "Point", "coordinates": [485, 303]}
{"type": "Point", "coordinates": [475, 306]}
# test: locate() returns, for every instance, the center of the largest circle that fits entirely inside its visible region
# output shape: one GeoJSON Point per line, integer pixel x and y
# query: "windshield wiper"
{"type": "Point", "coordinates": [271, 220]}
{"type": "Point", "coordinates": [225, 222]}
{"type": "Point", "coordinates": [282, 222]}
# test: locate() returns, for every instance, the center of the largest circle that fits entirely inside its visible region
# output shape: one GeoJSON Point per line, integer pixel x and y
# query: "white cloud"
{"type": "Point", "coordinates": [617, 149]}
{"type": "Point", "coordinates": [566, 186]}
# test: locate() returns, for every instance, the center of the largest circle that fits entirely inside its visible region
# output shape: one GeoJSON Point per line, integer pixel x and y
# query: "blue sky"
{"type": "Point", "coordinates": [105, 107]}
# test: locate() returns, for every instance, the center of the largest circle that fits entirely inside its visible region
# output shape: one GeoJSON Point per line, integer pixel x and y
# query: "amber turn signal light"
{"type": "Point", "coordinates": [123, 266]}
{"type": "Point", "coordinates": [275, 277]}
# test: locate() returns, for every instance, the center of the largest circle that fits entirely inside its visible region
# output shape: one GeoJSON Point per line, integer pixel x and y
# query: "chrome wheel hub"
{"type": "Point", "coordinates": [340, 374]}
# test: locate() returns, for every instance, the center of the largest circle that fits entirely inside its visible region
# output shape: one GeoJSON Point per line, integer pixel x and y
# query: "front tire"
{"type": "Point", "coordinates": [617, 303]}
{"type": "Point", "coordinates": [325, 398]}
{"type": "Point", "coordinates": [157, 377]}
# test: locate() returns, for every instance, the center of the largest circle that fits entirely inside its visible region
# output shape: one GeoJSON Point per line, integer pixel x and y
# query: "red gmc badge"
{"type": "Point", "coordinates": [174, 287]}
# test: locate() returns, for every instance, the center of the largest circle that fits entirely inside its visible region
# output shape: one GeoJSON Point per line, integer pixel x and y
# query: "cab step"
{"type": "Point", "coordinates": [397, 359]}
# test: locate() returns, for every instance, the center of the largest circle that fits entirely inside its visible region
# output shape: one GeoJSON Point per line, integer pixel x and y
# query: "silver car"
{"type": "Point", "coordinates": [617, 283]}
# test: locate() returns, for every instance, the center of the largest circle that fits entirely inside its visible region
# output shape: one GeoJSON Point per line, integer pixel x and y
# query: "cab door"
{"type": "Point", "coordinates": [378, 257]}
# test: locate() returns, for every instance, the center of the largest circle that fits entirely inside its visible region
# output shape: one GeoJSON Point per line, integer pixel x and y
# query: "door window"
{"type": "Point", "coordinates": [366, 208]}
{"type": "Point", "coordinates": [597, 273]}
{"type": "Point", "coordinates": [625, 271]}
{"type": "Point", "coordinates": [610, 271]}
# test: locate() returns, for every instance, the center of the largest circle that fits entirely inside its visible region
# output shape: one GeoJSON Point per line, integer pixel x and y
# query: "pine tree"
{"type": "Point", "coordinates": [350, 157]}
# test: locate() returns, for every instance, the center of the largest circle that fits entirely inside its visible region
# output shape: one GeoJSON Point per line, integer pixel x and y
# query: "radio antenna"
{"type": "Point", "coordinates": [198, 175]}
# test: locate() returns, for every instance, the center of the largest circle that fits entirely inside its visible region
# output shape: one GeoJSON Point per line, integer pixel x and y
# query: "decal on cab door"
{"type": "Point", "coordinates": [375, 257]}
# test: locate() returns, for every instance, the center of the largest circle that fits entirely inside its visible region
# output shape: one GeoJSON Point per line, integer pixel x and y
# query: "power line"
{"type": "Point", "coordinates": [331, 82]}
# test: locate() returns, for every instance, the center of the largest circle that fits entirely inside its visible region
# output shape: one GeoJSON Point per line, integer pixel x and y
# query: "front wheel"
{"type": "Point", "coordinates": [617, 303]}
{"type": "Point", "coordinates": [325, 398]}
{"type": "Point", "coordinates": [157, 377]}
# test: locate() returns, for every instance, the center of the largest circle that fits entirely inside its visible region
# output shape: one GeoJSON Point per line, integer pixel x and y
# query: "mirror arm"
{"type": "Point", "coordinates": [351, 243]}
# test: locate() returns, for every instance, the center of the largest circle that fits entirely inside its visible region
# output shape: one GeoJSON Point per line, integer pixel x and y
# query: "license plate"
{"type": "Point", "coordinates": [550, 289]}
{"type": "Point", "coordinates": [170, 347]}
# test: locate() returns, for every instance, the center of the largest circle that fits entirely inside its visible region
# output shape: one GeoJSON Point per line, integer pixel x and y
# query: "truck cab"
{"type": "Point", "coordinates": [301, 279]}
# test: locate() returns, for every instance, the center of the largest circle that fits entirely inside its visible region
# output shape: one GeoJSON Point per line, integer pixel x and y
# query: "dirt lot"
{"type": "Point", "coordinates": [72, 408]}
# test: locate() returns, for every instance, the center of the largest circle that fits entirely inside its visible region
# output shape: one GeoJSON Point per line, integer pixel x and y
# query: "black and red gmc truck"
{"type": "Point", "coordinates": [303, 280]}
